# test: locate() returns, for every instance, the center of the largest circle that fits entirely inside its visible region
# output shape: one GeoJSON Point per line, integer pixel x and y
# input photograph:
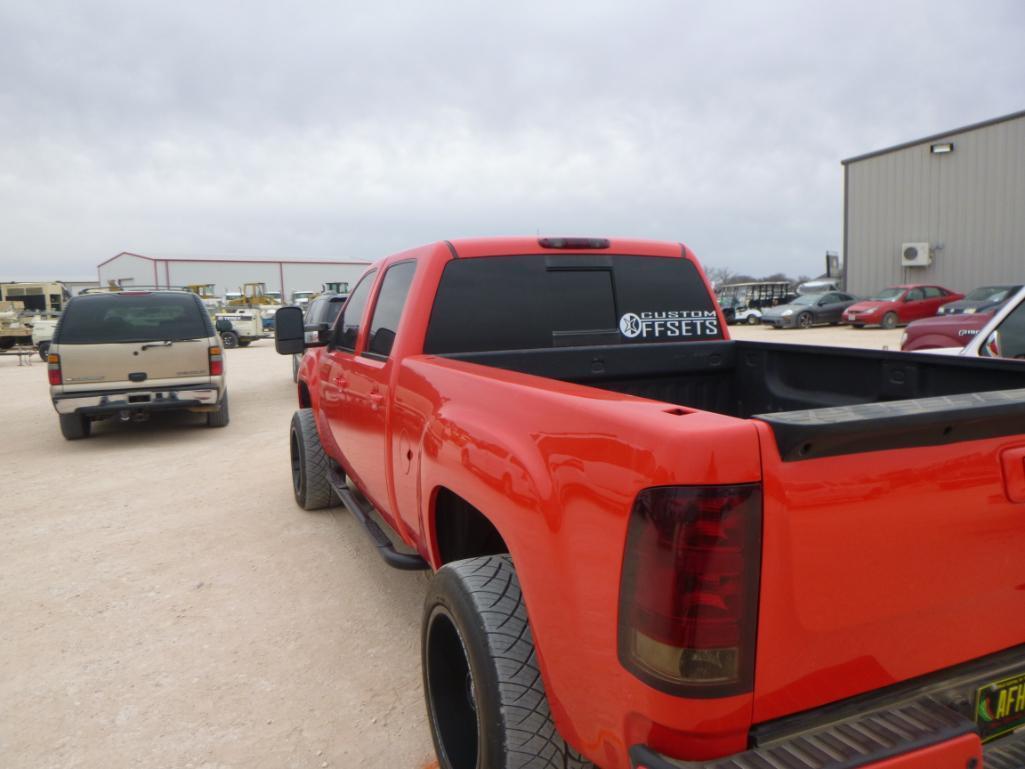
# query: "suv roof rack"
{"type": "Point", "coordinates": [130, 289]}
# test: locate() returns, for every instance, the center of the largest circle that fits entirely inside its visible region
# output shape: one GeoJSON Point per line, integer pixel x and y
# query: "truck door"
{"type": "Point", "coordinates": [361, 425]}
{"type": "Point", "coordinates": [336, 369]}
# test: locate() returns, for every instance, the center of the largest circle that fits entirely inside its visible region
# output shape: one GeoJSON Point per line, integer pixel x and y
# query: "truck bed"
{"type": "Point", "coordinates": [820, 401]}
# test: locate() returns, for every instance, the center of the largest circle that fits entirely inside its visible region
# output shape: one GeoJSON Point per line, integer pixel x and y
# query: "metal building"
{"type": "Point", "coordinates": [947, 209]}
{"type": "Point", "coordinates": [130, 269]}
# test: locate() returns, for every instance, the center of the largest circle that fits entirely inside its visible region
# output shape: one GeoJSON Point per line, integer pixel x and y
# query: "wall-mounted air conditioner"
{"type": "Point", "coordinates": [915, 255]}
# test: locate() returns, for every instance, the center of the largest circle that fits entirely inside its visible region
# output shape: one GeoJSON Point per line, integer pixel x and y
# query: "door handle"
{"type": "Point", "coordinates": [341, 381]}
{"type": "Point", "coordinates": [376, 399]}
{"type": "Point", "coordinates": [1013, 461]}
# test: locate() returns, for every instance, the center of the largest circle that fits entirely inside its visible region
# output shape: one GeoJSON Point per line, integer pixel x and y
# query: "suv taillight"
{"type": "Point", "coordinates": [688, 602]}
{"type": "Point", "coordinates": [53, 369]}
{"type": "Point", "coordinates": [216, 361]}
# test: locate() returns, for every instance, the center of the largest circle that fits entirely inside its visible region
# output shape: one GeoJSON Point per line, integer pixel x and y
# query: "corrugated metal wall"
{"type": "Point", "coordinates": [969, 204]}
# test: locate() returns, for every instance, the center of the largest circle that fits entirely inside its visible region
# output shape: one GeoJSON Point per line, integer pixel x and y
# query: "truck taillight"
{"type": "Point", "coordinates": [53, 369]}
{"type": "Point", "coordinates": [688, 600]}
{"type": "Point", "coordinates": [216, 361]}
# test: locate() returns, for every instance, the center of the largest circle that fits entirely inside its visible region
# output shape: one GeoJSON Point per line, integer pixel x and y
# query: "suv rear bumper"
{"type": "Point", "coordinates": [140, 399]}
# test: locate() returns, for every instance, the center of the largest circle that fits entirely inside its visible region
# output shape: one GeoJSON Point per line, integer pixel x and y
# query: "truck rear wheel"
{"type": "Point", "coordinates": [309, 464]}
{"type": "Point", "coordinates": [485, 700]}
{"type": "Point", "coordinates": [229, 339]}
{"type": "Point", "coordinates": [44, 350]}
{"type": "Point", "coordinates": [75, 426]}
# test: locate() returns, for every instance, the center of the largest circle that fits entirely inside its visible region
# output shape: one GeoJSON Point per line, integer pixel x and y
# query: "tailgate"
{"type": "Point", "coordinates": [894, 544]}
{"type": "Point", "coordinates": [85, 366]}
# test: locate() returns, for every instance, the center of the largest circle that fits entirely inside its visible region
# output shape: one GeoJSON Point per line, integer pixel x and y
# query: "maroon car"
{"type": "Point", "coordinates": [899, 305]}
{"type": "Point", "coordinates": [943, 331]}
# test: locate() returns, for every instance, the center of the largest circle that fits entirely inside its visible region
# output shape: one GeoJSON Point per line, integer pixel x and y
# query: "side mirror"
{"type": "Point", "coordinates": [289, 332]}
{"type": "Point", "coordinates": [222, 325]}
{"type": "Point", "coordinates": [317, 334]}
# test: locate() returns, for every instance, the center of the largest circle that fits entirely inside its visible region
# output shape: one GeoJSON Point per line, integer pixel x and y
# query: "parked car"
{"type": "Point", "coordinates": [957, 323]}
{"type": "Point", "coordinates": [985, 299]}
{"type": "Point", "coordinates": [1001, 336]}
{"type": "Point", "coordinates": [899, 305]}
{"type": "Point", "coordinates": [666, 548]}
{"type": "Point", "coordinates": [127, 354]}
{"type": "Point", "coordinates": [42, 332]}
{"type": "Point", "coordinates": [318, 320]}
{"type": "Point", "coordinates": [942, 331]}
{"type": "Point", "coordinates": [819, 286]}
{"type": "Point", "coordinates": [809, 310]}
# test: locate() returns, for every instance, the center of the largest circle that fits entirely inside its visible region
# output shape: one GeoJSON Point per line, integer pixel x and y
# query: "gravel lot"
{"type": "Point", "coordinates": [164, 603]}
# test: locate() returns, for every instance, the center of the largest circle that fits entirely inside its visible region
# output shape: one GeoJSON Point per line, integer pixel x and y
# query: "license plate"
{"type": "Point", "coordinates": [1000, 707]}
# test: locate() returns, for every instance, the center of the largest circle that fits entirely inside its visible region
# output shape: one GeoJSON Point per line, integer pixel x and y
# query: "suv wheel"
{"type": "Point", "coordinates": [221, 417]}
{"type": "Point", "coordinates": [309, 464]}
{"type": "Point", "coordinates": [75, 426]}
{"type": "Point", "coordinates": [485, 701]}
{"type": "Point", "coordinates": [229, 339]}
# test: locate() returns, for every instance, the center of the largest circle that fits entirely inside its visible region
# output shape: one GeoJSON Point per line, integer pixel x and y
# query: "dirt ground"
{"type": "Point", "coordinates": [164, 603]}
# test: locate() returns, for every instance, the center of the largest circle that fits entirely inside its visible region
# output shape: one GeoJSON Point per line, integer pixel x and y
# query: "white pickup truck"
{"type": "Point", "coordinates": [241, 327]}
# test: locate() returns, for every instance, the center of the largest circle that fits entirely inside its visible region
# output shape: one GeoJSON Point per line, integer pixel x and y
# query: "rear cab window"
{"type": "Point", "coordinates": [539, 301]}
{"type": "Point", "coordinates": [123, 317]}
{"type": "Point", "coordinates": [388, 309]}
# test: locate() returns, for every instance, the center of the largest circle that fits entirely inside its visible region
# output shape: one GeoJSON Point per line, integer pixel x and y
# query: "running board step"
{"type": "Point", "coordinates": [363, 512]}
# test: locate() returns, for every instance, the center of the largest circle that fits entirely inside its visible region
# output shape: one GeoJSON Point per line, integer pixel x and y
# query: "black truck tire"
{"type": "Point", "coordinates": [229, 339]}
{"type": "Point", "coordinates": [221, 417]}
{"type": "Point", "coordinates": [75, 426]}
{"type": "Point", "coordinates": [485, 701]}
{"type": "Point", "coordinates": [44, 350]}
{"type": "Point", "coordinates": [309, 464]}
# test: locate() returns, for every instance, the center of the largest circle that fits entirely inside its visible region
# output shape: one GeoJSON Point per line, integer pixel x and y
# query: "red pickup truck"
{"type": "Point", "coordinates": [657, 547]}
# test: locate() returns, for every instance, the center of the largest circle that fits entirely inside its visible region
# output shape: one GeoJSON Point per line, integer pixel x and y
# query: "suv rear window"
{"type": "Point", "coordinates": [117, 317]}
{"type": "Point", "coordinates": [538, 301]}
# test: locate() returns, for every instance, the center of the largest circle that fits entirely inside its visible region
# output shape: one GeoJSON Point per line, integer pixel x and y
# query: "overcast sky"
{"type": "Point", "coordinates": [355, 129]}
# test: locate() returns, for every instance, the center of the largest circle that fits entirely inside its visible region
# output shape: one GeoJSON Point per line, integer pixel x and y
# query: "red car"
{"type": "Point", "coordinates": [943, 331]}
{"type": "Point", "coordinates": [899, 305]}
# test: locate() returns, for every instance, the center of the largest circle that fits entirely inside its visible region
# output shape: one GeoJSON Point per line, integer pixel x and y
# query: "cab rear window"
{"type": "Point", "coordinates": [532, 302]}
{"type": "Point", "coordinates": [118, 317]}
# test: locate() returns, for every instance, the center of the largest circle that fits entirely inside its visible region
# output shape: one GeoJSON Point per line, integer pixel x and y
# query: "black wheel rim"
{"type": "Point", "coordinates": [297, 462]}
{"type": "Point", "coordinates": [452, 694]}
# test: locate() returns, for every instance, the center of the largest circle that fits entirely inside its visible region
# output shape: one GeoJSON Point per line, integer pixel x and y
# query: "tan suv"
{"type": "Point", "coordinates": [128, 353]}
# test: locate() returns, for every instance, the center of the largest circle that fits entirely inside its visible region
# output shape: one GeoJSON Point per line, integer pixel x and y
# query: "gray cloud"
{"type": "Point", "coordinates": [353, 130]}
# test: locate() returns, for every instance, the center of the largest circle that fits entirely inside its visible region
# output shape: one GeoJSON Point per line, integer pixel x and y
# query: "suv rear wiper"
{"type": "Point", "coordinates": [165, 343]}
